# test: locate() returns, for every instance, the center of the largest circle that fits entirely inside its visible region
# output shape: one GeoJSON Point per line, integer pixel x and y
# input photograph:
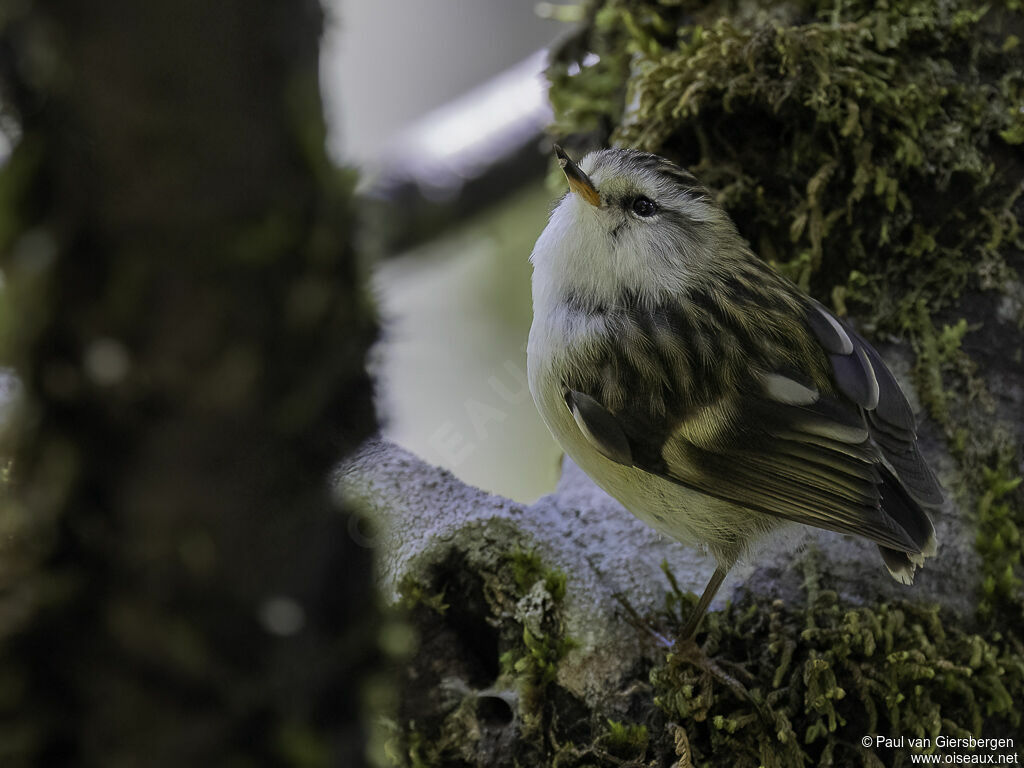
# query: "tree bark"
{"type": "Point", "coordinates": [183, 305]}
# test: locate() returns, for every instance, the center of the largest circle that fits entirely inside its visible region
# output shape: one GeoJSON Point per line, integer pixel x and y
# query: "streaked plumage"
{"type": "Point", "coordinates": [703, 390]}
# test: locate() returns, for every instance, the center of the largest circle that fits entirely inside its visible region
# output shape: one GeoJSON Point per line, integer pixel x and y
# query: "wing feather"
{"type": "Point", "coordinates": [890, 420]}
{"type": "Point", "coordinates": [839, 454]}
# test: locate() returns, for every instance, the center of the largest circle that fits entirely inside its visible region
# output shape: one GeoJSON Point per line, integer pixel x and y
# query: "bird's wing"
{"type": "Point", "coordinates": [860, 374]}
{"type": "Point", "coordinates": [843, 459]}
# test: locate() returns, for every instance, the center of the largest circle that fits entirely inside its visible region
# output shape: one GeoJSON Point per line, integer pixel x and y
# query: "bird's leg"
{"type": "Point", "coordinates": [691, 626]}
{"type": "Point", "coordinates": [691, 653]}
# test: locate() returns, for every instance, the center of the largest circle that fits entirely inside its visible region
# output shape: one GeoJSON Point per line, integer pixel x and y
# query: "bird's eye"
{"type": "Point", "coordinates": [644, 206]}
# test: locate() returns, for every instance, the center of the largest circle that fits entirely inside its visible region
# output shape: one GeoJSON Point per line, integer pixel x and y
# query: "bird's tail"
{"type": "Point", "coordinates": [912, 518]}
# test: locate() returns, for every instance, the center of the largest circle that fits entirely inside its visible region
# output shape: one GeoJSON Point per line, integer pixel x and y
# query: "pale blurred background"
{"type": "Point", "coordinates": [388, 62]}
{"type": "Point", "coordinates": [454, 83]}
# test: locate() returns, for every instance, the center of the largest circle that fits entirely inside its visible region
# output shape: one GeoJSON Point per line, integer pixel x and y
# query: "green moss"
{"type": "Point", "coordinates": [939, 356]}
{"type": "Point", "coordinates": [492, 639]}
{"type": "Point", "coordinates": [419, 751]}
{"type": "Point", "coordinates": [528, 569]}
{"type": "Point", "coordinates": [794, 686]}
{"type": "Point", "coordinates": [532, 665]}
{"type": "Point", "coordinates": [999, 540]}
{"type": "Point", "coordinates": [957, 398]}
{"type": "Point", "coordinates": [539, 663]}
{"type": "Point", "coordinates": [413, 593]}
{"type": "Point", "coordinates": [626, 739]}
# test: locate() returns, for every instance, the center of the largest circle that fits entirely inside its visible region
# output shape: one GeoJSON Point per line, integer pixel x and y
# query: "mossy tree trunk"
{"type": "Point", "coordinates": [183, 306]}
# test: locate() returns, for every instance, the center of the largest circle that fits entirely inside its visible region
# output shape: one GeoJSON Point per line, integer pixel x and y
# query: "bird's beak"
{"type": "Point", "coordinates": [579, 182]}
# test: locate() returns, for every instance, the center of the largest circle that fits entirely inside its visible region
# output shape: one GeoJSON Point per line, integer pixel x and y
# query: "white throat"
{"type": "Point", "coordinates": [577, 256]}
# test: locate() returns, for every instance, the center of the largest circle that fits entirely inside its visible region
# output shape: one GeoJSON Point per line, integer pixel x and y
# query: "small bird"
{"type": "Point", "coordinates": [707, 393]}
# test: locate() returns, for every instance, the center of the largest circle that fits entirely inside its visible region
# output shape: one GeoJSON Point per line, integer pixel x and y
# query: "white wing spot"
{"type": "Point", "coordinates": [784, 390]}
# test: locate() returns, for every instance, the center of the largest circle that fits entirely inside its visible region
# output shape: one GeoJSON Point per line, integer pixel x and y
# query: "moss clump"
{"type": "Point", "coordinates": [528, 569]}
{"type": "Point", "coordinates": [413, 593]}
{"type": "Point", "coordinates": [533, 664]}
{"type": "Point", "coordinates": [999, 538]}
{"type": "Point", "coordinates": [625, 739]}
{"type": "Point", "coordinates": [790, 686]}
{"type": "Point", "coordinates": [482, 686]}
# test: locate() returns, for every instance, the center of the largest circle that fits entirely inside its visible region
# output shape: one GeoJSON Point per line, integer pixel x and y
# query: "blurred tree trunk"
{"type": "Point", "coordinates": [183, 305]}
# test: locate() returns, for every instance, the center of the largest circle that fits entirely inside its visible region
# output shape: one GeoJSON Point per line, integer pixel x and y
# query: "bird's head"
{"type": "Point", "coordinates": [632, 221]}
